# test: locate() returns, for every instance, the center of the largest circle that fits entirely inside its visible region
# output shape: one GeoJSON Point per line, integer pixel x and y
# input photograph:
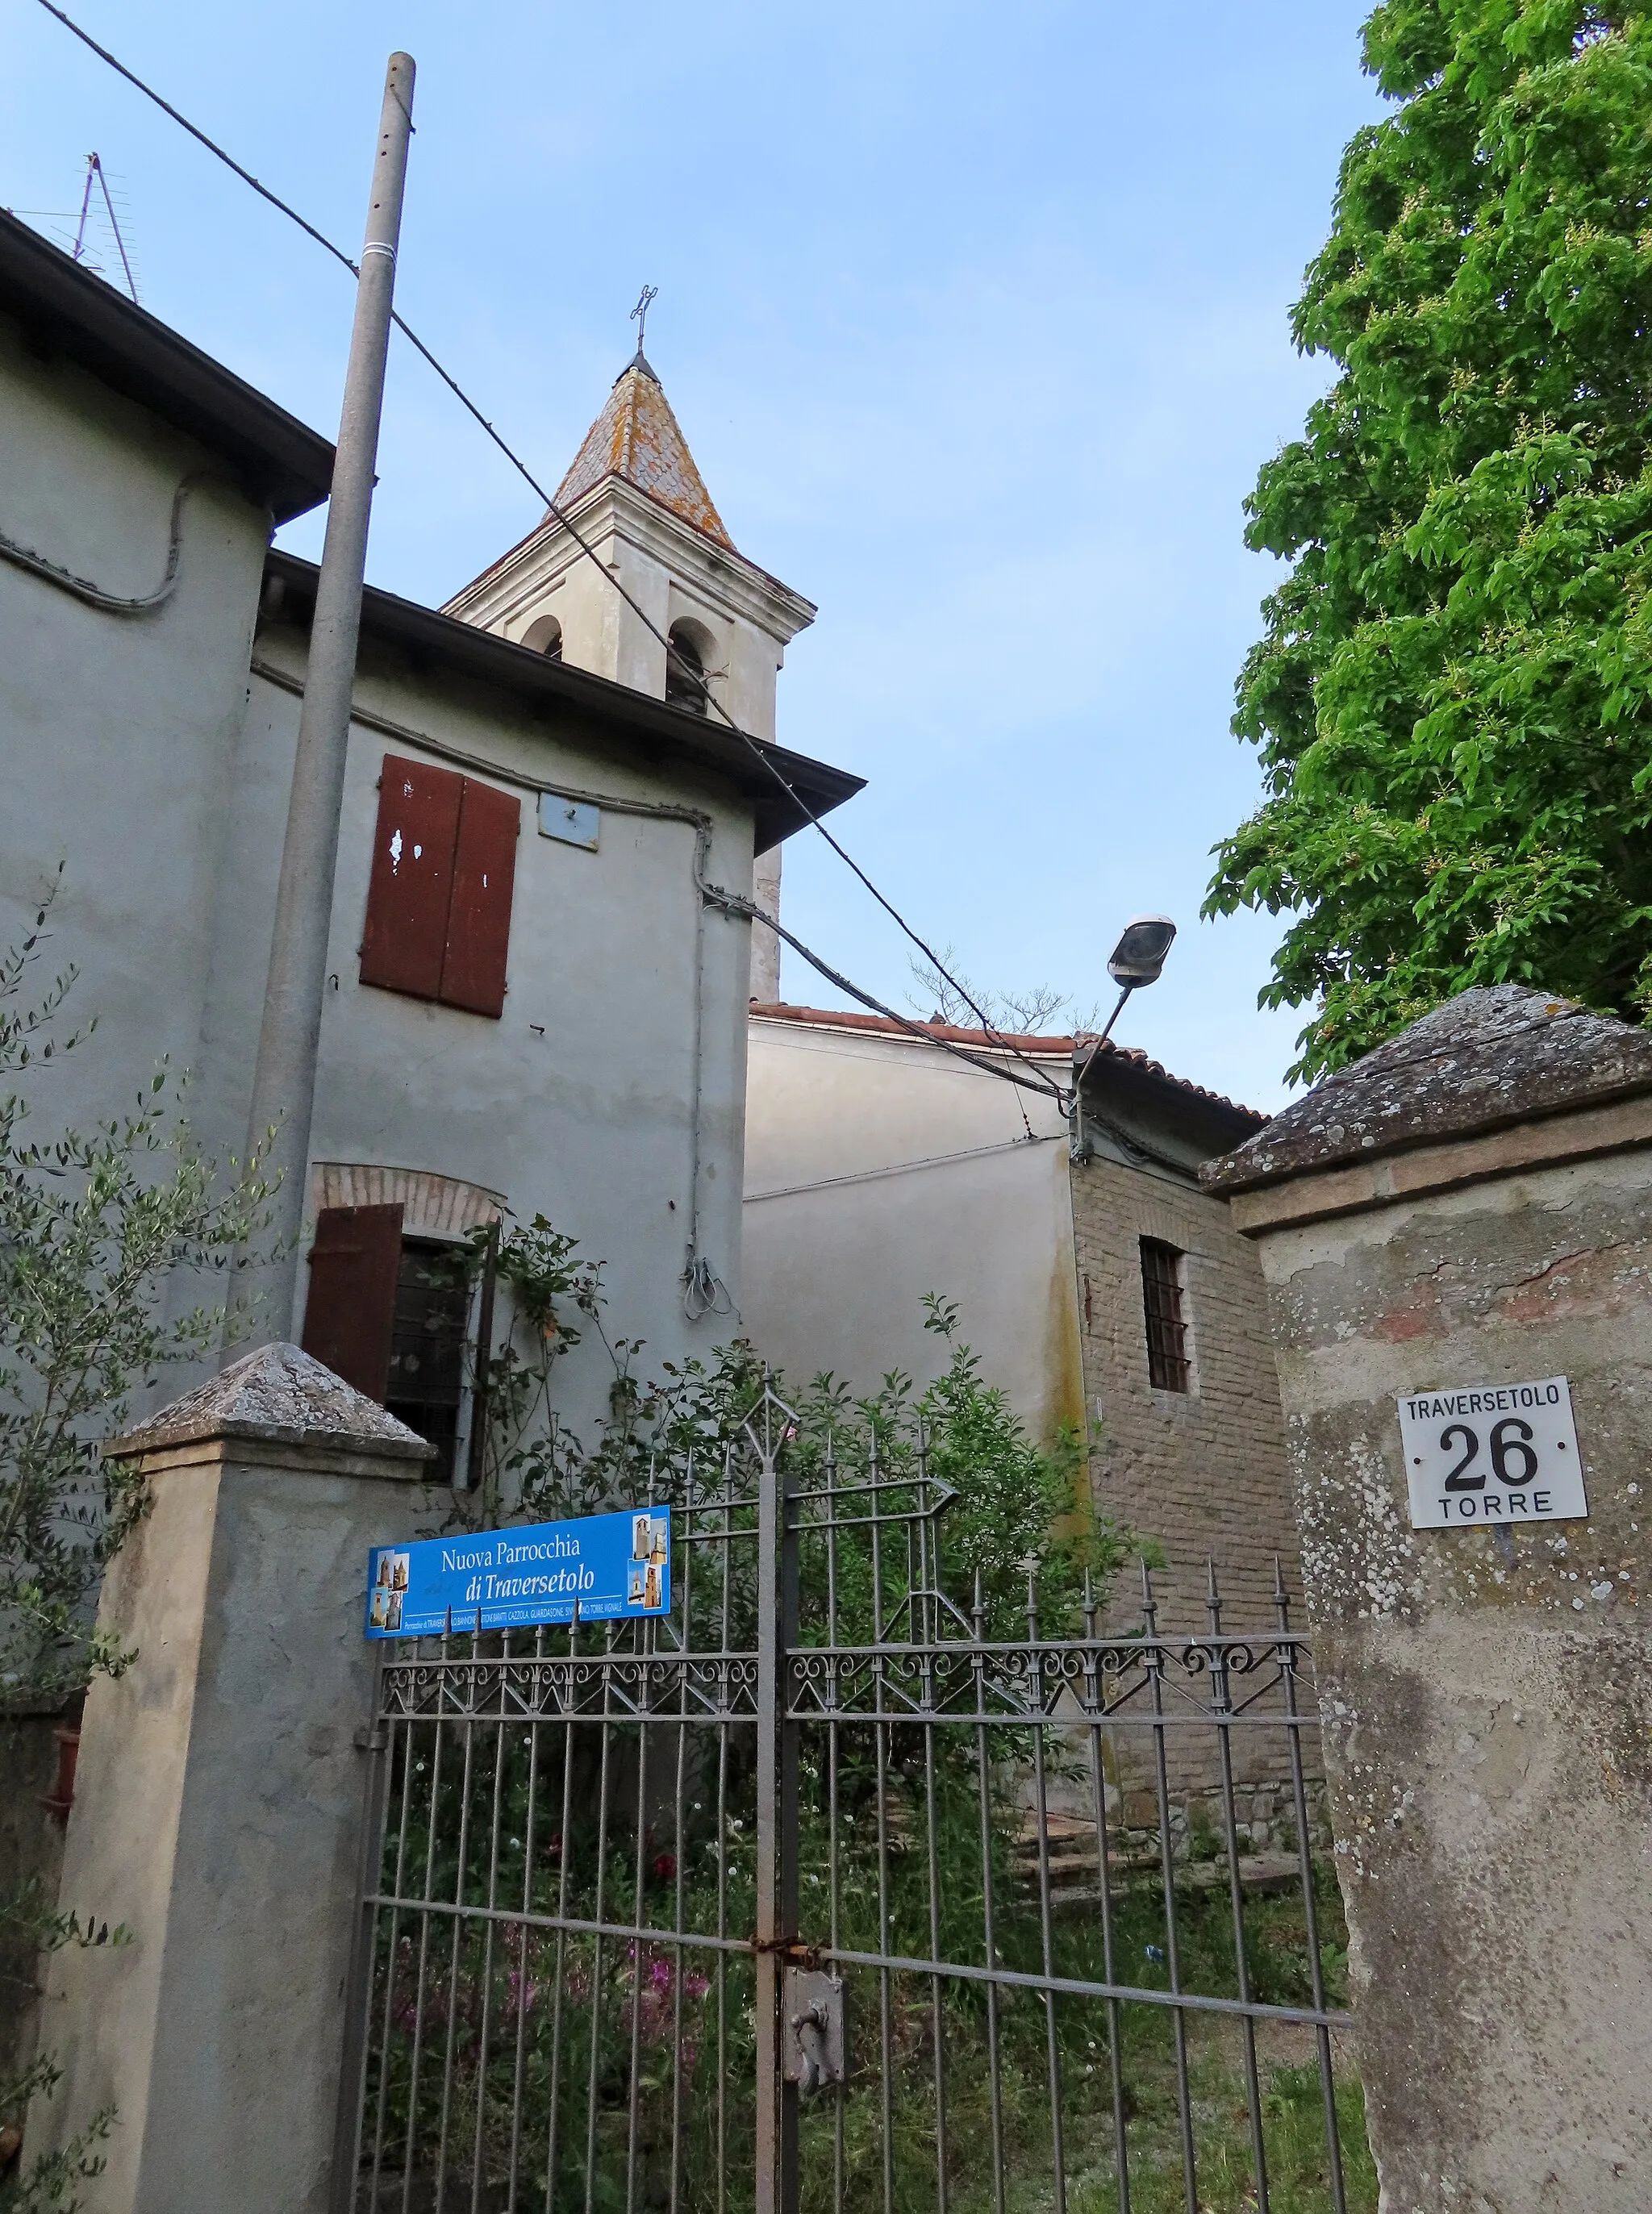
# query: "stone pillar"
{"type": "Point", "coordinates": [1471, 1206]}
{"type": "Point", "coordinates": [219, 1797]}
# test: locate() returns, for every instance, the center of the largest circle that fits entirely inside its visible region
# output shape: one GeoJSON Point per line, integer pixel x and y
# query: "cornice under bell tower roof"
{"type": "Point", "coordinates": [636, 437]}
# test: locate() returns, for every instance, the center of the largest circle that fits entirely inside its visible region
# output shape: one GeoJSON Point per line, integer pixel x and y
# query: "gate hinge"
{"type": "Point", "coordinates": [371, 1737]}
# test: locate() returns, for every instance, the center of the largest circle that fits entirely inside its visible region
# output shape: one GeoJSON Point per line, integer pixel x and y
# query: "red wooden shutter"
{"type": "Point", "coordinates": [479, 919]}
{"type": "Point", "coordinates": [351, 1310]}
{"type": "Point", "coordinates": [411, 889]}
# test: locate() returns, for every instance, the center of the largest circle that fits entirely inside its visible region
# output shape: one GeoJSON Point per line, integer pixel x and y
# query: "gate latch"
{"type": "Point", "coordinates": [814, 2043]}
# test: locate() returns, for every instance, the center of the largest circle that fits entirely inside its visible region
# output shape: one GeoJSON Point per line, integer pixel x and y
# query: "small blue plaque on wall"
{"type": "Point", "coordinates": [610, 1566]}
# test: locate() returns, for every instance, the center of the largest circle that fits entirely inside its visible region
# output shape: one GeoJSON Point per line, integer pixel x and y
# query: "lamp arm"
{"type": "Point", "coordinates": [1118, 1009]}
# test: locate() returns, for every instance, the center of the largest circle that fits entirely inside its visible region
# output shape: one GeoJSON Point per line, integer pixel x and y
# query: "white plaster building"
{"type": "Point", "coordinates": [1101, 1287]}
{"type": "Point", "coordinates": [879, 1168]}
{"type": "Point", "coordinates": [561, 1029]}
{"type": "Point", "coordinates": [634, 495]}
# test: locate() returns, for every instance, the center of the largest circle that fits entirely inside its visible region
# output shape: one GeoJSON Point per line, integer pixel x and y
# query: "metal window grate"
{"type": "Point", "coordinates": [1169, 1367]}
{"type": "Point", "coordinates": [427, 1348]}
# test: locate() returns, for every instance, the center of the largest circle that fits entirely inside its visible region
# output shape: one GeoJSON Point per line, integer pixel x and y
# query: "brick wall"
{"type": "Point", "coordinates": [1202, 1472]}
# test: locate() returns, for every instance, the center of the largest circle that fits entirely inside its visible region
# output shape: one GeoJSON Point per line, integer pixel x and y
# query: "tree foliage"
{"type": "Point", "coordinates": [94, 1227]}
{"type": "Point", "coordinates": [1453, 694]}
{"type": "Point", "coordinates": [1021, 1520]}
{"type": "Point", "coordinates": [46, 2182]}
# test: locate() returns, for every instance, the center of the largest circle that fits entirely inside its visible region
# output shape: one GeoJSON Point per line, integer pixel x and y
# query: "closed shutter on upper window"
{"type": "Point", "coordinates": [479, 917]}
{"type": "Point", "coordinates": [411, 888]}
{"type": "Point", "coordinates": [438, 898]}
{"type": "Point", "coordinates": [349, 1314]}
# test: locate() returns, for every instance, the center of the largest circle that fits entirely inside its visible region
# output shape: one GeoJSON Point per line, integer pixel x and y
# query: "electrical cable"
{"type": "Point", "coordinates": [695, 676]}
{"type": "Point", "coordinates": [83, 588]}
{"type": "Point", "coordinates": [184, 122]}
{"type": "Point", "coordinates": [1038, 1082]}
{"type": "Point", "coordinates": [711, 894]}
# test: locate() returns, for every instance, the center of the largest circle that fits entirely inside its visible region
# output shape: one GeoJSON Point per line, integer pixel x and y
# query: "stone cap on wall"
{"type": "Point", "coordinates": [282, 1396]}
{"type": "Point", "coordinates": [1495, 1055]}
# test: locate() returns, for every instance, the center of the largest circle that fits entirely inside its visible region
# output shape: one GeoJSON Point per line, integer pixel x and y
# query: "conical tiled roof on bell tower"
{"type": "Point", "coordinates": [636, 437]}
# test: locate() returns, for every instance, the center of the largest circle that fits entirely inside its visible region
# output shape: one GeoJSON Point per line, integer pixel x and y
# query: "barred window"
{"type": "Point", "coordinates": [1169, 1364]}
{"type": "Point", "coordinates": [428, 1331]}
{"type": "Point", "coordinates": [391, 1315]}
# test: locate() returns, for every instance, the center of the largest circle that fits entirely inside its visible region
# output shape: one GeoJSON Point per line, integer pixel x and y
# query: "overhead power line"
{"type": "Point", "coordinates": [695, 676]}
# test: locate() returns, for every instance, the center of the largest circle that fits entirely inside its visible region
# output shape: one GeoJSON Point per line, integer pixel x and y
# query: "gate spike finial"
{"type": "Point", "coordinates": [1149, 1605]}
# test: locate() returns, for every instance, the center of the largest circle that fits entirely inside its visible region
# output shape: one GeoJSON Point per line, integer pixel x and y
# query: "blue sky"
{"type": "Point", "coordinates": [976, 321]}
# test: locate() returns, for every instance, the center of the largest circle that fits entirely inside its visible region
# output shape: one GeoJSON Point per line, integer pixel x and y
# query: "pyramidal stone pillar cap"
{"type": "Point", "coordinates": [1496, 1055]}
{"type": "Point", "coordinates": [280, 1396]}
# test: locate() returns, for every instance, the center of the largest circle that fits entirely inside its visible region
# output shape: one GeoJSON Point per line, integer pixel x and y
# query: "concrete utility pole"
{"type": "Point", "coordinates": [283, 1084]}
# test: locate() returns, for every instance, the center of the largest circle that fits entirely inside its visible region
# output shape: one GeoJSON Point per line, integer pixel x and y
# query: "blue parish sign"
{"type": "Point", "coordinates": [611, 1566]}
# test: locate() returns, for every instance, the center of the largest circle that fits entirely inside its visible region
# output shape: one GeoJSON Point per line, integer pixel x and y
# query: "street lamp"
{"type": "Point", "coordinates": [1137, 960]}
{"type": "Point", "coordinates": [1139, 956]}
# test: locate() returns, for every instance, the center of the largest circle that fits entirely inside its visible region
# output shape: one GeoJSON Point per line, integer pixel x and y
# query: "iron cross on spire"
{"type": "Point", "coordinates": [639, 314]}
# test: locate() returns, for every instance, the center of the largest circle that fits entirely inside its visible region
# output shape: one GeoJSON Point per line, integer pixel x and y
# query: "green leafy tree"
{"type": "Point", "coordinates": [46, 2182]}
{"type": "Point", "coordinates": [1452, 696]}
{"type": "Point", "coordinates": [1021, 1520]}
{"type": "Point", "coordinates": [93, 1228]}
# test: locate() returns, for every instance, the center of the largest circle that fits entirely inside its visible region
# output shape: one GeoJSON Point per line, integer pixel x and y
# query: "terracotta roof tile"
{"type": "Point", "coordinates": [636, 437]}
{"type": "Point", "coordinates": [1035, 1045]}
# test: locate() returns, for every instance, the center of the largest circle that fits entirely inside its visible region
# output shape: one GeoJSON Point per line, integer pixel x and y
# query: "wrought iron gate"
{"type": "Point", "coordinates": [824, 1893]}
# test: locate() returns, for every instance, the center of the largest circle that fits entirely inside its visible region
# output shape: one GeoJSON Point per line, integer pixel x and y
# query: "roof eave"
{"type": "Point", "coordinates": [795, 608]}
{"type": "Point", "coordinates": [631, 715]}
{"type": "Point", "coordinates": [1134, 1068]}
{"type": "Point", "coordinates": [284, 464]}
{"type": "Point", "coordinates": [1139, 1073]}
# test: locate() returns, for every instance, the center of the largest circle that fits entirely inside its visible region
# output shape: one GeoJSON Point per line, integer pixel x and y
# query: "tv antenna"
{"type": "Point", "coordinates": [639, 314]}
{"type": "Point", "coordinates": [95, 170]}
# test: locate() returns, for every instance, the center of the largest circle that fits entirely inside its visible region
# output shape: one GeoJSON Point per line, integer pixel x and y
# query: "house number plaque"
{"type": "Point", "coordinates": [1501, 1453]}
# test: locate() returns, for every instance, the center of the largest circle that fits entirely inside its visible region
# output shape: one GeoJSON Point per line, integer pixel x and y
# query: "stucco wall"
{"type": "Point", "coordinates": [879, 1168]}
{"type": "Point", "coordinates": [219, 1803]}
{"type": "Point", "coordinates": [120, 730]}
{"type": "Point", "coordinates": [1202, 1472]}
{"type": "Point", "coordinates": [1484, 1690]}
{"type": "Point", "coordinates": [141, 754]}
{"type": "Point", "coordinates": [670, 570]}
{"type": "Point", "coordinates": [577, 1103]}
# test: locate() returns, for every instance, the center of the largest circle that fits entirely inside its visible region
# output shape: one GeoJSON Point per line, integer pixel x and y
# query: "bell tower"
{"type": "Point", "coordinates": [637, 499]}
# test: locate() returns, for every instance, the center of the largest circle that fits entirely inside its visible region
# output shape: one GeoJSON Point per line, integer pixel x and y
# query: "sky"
{"type": "Point", "coordinates": [976, 321]}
